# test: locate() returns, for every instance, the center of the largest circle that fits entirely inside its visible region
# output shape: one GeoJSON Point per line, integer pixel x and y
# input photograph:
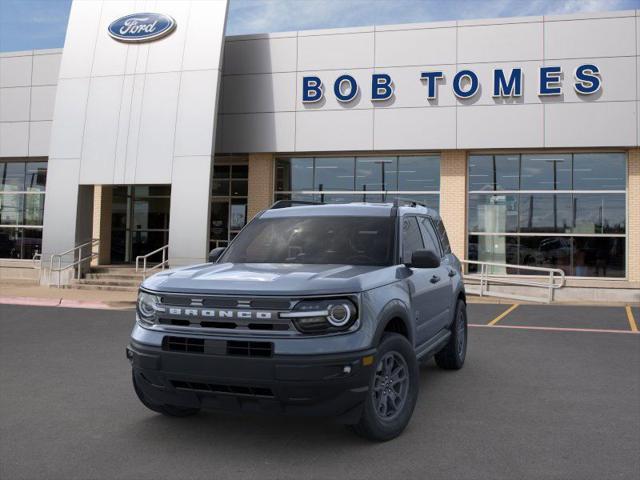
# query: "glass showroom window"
{"type": "Point", "coordinates": [564, 211]}
{"type": "Point", "coordinates": [229, 202]}
{"type": "Point", "coordinates": [22, 186]}
{"type": "Point", "coordinates": [359, 179]}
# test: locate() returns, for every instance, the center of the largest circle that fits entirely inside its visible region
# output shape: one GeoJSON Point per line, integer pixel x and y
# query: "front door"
{"type": "Point", "coordinates": [139, 221]}
{"type": "Point", "coordinates": [228, 203]}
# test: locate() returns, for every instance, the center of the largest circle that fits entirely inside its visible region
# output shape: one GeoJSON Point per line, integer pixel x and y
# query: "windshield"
{"type": "Point", "coordinates": [319, 240]}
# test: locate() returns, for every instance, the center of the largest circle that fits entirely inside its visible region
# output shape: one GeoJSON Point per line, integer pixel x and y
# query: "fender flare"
{"type": "Point", "coordinates": [394, 309]}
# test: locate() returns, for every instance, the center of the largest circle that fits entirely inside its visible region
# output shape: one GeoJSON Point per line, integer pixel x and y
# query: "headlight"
{"type": "Point", "coordinates": [147, 306]}
{"type": "Point", "coordinates": [323, 316]}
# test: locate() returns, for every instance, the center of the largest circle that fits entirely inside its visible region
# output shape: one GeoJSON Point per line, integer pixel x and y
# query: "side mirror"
{"type": "Point", "coordinates": [424, 259]}
{"type": "Point", "coordinates": [215, 254]}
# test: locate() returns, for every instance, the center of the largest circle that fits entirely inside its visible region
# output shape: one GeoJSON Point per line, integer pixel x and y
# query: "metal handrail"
{"type": "Point", "coordinates": [165, 260]}
{"type": "Point", "coordinates": [78, 248]}
{"type": "Point", "coordinates": [36, 260]}
{"type": "Point", "coordinates": [485, 277]}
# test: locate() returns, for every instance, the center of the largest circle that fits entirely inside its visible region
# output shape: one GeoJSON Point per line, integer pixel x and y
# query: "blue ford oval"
{"type": "Point", "coordinates": [141, 27]}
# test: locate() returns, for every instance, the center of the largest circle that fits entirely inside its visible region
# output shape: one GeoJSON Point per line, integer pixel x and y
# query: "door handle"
{"type": "Point", "coordinates": [435, 279]}
{"type": "Point", "coordinates": [452, 273]}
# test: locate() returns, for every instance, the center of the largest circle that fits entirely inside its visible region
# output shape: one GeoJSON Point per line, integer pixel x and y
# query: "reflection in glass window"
{"type": "Point", "coordinates": [580, 231]}
{"type": "Point", "coordinates": [411, 238]}
{"type": "Point", "coordinates": [12, 179]}
{"type": "Point", "coordinates": [599, 171]}
{"type": "Point", "coordinates": [597, 213]}
{"type": "Point", "coordinates": [546, 172]}
{"type": "Point", "coordinates": [419, 174]}
{"type": "Point", "coordinates": [494, 172]}
{"type": "Point", "coordinates": [294, 174]}
{"type": "Point", "coordinates": [376, 173]}
{"type": "Point", "coordinates": [540, 212]}
{"type": "Point", "coordinates": [493, 213]}
{"type": "Point", "coordinates": [334, 174]}
{"type": "Point", "coordinates": [36, 176]}
{"type": "Point", "coordinates": [12, 209]}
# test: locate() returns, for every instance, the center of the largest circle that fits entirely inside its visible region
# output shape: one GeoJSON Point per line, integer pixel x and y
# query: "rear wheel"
{"type": "Point", "coordinates": [452, 356]}
{"type": "Point", "coordinates": [169, 410]}
{"type": "Point", "coordinates": [393, 391]}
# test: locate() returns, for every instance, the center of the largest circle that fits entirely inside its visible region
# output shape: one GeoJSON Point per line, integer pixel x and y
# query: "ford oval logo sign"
{"type": "Point", "coordinates": [141, 27]}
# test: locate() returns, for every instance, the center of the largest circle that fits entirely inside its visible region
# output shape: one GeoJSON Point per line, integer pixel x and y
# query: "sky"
{"type": "Point", "coordinates": [34, 24]}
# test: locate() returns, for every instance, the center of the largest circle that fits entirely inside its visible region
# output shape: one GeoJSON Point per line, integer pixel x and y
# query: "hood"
{"type": "Point", "coordinates": [271, 279]}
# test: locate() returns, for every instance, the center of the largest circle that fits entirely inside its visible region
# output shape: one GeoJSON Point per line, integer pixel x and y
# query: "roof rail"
{"type": "Point", "coordinates": [292, 203]}
{"type": "Point", "coordinates": [408, 202]}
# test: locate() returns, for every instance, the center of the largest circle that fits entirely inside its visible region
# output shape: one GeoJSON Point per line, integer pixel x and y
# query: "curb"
{"type": "Point", "coordinates": [65, 303]}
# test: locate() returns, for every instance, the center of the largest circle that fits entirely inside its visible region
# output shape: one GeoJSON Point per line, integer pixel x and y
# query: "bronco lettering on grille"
{"type": "Point", "coordinates": [214, 313]}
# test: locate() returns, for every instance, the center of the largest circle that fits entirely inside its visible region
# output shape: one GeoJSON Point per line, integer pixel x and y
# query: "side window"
{"type": "Point", "coordinates": [443, 236]}
{"type": "Point", "coordinates": [430, 239]}
{"type": "Point", "coordinates": [411, 238]}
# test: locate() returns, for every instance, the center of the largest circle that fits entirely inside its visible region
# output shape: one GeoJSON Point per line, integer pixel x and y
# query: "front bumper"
{"type": "Point", "coordinates": [321, 385]}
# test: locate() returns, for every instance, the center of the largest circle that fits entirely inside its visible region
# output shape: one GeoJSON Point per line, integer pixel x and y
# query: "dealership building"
{"type": "Point", "coordinates": [522, 132]}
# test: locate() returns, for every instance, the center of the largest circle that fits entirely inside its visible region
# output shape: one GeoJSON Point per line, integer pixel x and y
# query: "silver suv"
{"type": "Point", "coordinates": [312, 309]}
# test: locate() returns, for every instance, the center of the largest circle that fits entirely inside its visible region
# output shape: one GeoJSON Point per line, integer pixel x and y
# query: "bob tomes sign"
{"type": "Point", "coordinates": [465, 84]}
{"type": "Point", "coordinates": [141, 27]}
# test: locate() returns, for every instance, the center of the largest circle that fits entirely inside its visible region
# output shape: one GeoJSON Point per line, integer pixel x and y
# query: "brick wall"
{"type": "Point", "coordinates": [102, 200]}
{"type": "Point", "coordinates": [453, 198]}
{"type": "Point", "coordinates": [260, 183]}
{"type": "Point", "coordinates": [633, 227]}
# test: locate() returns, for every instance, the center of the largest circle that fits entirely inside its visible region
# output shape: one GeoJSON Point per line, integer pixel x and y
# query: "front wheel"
{"type": "Point", "coordinates": [393, 391]}
{"type": "Point", "coordinates": [452, 356]}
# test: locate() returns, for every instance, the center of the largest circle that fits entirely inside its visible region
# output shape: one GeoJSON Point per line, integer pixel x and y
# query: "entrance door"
{"type": "Point", "coordinates": [228, 203]}
{"type": "Point", "coordinates": [139, 221]}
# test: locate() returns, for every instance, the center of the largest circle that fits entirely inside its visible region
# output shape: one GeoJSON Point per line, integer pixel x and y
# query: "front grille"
{"type": "Point", "coordinates": [183, 344]}
{"type": "Point", "coordinates": [217, 347]}
{"type": "Point", "coordinates": [228, 389]}
{"type": "Point", "coordinates": [279, 325]}
{"type": "Point", "coordinates": [249, 349]}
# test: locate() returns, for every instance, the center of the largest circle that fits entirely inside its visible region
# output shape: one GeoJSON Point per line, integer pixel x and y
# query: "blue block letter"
{"type": "Point", "coordinates": [381, 87]}
{"type": "Point", "coordinates": [311, 89]}
{"type": "Point", "coordinates": [587, 79]}
{"type": "Point", "coordinates": [351, 92]}
{"type": "Point", "coordinates": [550, 81]}
{"type": "Point", "coordinates": [507, 88]}
{"type": "Point", "coordinates": [473, 84]}
{"type": "Point", "coordinates": [431, 79]}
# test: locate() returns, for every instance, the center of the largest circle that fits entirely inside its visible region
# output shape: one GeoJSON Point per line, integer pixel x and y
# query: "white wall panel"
{"type": "Point", "coordinates": [132, 135]}
{"type": "Point", "coordinates": [46, 69]}
{"type": "Point", "coordinates": [591, 124]}
{"type": "Point", "coordinates": [196, 107]}
{"type": "Point", "coordinates": [260, 55]}
{"type": "Point", "coordinates": [330, 102]}
{"type": "Point", "coordinates": [14, 104]}
{"type": "Point", "coordinates": [39, 137]}
{"type": "Point", "coordinates": [334, 130]}
{"type": "Point", "coordinates": [15, 71]}
{"type": "Point", "coordinates": [101, 130]}
{"type": "Point", "coordinates": [110, 56]}
{"type": "Point", "coordinates": [500, 43]}
{"type": "Point", "coordinates": [157, 128]}
{"type": "Point", "coordinates": [203, 44]}
{"type": "Point", "coordinates": [166, 55]}
{"type": "Point", "coordinates": [69, 111]}
{"type": "Point", "coordinates": [415, 128]}
{"type": "Point", "coordinates": [590, 38]}
{"type": "Point", "coordinates": [14, 139]}
{"type": "Point", "coordinates": [43, 102]}
{"type": "Point", "coordinates": [259, 93]}
{"type": "Point", "coordinates": [80, 42]}
{"type": "Point", "coordinates": [429, 46]}
{"type": "Point", "coordinates": [270, 132]}
{"type": "Point", "coordinates": [327, 52]}
{"type": "Point", "coordinates": [506, 126]}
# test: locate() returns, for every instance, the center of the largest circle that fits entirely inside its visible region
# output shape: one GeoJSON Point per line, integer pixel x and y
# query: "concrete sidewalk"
{"type": "Point", "coordinates": [17, 293]}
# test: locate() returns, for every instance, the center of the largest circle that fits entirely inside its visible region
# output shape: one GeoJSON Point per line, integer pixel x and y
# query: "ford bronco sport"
{"type": "Point", "coordinates": [312, 309]}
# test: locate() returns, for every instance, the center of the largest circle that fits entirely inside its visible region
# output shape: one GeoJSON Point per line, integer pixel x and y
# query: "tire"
{"type": "Point", "coordinates": [452, 356]}
{"type": "Point", "coordinates": [168, 410]}
{"type": "Point", "coordinates": [386, 415]}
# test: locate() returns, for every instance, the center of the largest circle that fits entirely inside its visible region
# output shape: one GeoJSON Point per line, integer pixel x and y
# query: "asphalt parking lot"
{"type": "Point", "coordinates": [548, 392]}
